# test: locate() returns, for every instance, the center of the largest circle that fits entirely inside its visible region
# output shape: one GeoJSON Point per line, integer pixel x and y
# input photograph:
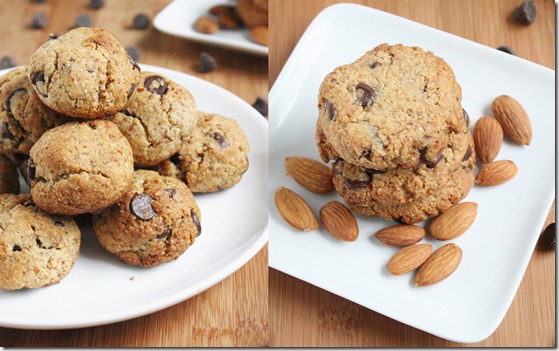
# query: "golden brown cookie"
{"type": "Point", "coordinates": [154, 223]}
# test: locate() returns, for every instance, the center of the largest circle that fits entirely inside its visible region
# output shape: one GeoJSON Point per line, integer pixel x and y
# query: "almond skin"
{"type": "Point", "coordinates": [310, 174]}
{"type": "Point", "coordinates": [454, 221]}
{"type": "Point", "coordinates": [441, 264]}
{"type": "Point", "coordinates": [295, 210]}
{"type": "Point", "coordinates": [401, 235]}
{"type": "Point", "coordinates": [488, 138]}
{"type": "Point", "coordinates": [339, 221]}
{"type": "Point", "coordinates": [409, 258]}
{"type": "Point", "coordinates": [513, 118]}
{"type": "Point", "coordinates": [497, 172]}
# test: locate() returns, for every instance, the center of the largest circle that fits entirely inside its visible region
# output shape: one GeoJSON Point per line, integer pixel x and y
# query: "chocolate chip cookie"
{"type": "Point", "coordinates": [9, 178]}
{"type": "Point", "coordinates": [80, 167]}
{"type": "Point", "coordinates": [391, 107]}
{"type": "Point", "coordinates": [36, 249]}
{"type": "Point", "coordinates": [212, 158]}
{"type": "Point", "coordinates": [160, 114]}
{"type": "Point", "coordinates": [154, 222]}
{"type": "Point", "coordinates": [85, 73]}
{"type": "Point", "coordinates": [23, 116]}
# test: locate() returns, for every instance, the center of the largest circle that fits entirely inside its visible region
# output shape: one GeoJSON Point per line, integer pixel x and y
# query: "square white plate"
{"type": "Point", "coordinates": [100, 289]}
{"type": "Point", "coordinates": [178, 19]}
{"type": "Point", "coordinates": [469, 305]}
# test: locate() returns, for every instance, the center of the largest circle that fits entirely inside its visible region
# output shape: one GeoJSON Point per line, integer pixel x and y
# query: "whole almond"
{"type": "Point", "coordinates": [401, 235]}
{"type": "Point", "coordinates": [206, 25]}
{"type": "Point", "coordinates": [339, 221]}
{"type": "Point", "coordinates": [311, 174]}
{"type": "Point", "coordinates": [441, 264]}
{"type": "Point", "coordinates": [488, 138]}
{"type": "Point", "coordinates": [217, 10]}
{"type": "Point", "coordinates": [513, 118]}
{"type": "Point", "coordinates": [496, 172]}
{"type": "Point", "coordinates": [229, 20]}
{"type": "Point", "coordinates": [454, 221]}
{"type": "Point", "coordinates": [409, 258]}
{"type": "Point", "coordinates": [295, 210]}
{"type": "Point", "coordinates": [259, 34]}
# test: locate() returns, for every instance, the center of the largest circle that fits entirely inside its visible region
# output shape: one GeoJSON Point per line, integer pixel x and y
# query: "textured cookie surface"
{"type": "Point", "coordinates": [36, 249]}
{"type": "Point", "coordinates": [160, 114]}
{"type": "Point", "coordinates": [155, 222]}
{"type": "Point", "coordinates": [85, 73]}
{"type": "Point", "coordinates": [9, 178]}
{"type": "Point", "coordinates": [253, 12]}
{"type": "Point", "coordinates": [23, 116]}
{"type": "Point", "coordinates": [389, 107]}
{"type": "Point", "coordinates": [80, 167]}
{"type": "Point", "coordinates": [212, 158]}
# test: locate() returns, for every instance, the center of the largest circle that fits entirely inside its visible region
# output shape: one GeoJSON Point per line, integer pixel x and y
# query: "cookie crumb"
{"type": "Point", "coordinates": [141, 21]}
{"type": "Point", "coordinates": [207, 63]}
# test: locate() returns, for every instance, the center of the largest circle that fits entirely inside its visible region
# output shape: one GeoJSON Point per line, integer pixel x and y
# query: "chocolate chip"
{"type": "Point", "coordinates": [467, 154]}
{"type": "Point", "coordinates": [207, 63]}
{"type": "Point", "coordinates": [506, 49]}
{"type": "Point", "coordinates": [134, 53]}
{"type": "Point", "coordinates": [365, 95]}
{"type": "Point", "coordinates": [96, 4]}
{"type": "Point", "coordinates": [221, 141]}
{"type": "Point", "coordinates": [429, 163]}
{"type": "Point", "coordinates": [196, 221]}
{"type": "Point", "coordinates": [6, 134]}
{"type": "Point", "coordinates": [261, 106]}
{"type": "Point", "coordinates": [526, 13]}
{"type": "Point", "coordinates": [7, 62]}
{"type": "Point", "coordinates": [156, 85]}
{"type": "Point", "coordinates": [36, 77]}
{"type": "Point", "coordinates": [330, 109]}
{"type": "Point", "coordinates": [59, 224]}
{"type": "Point", "coordinates": [31, 169]}
{"type": "Point", "coordinates": [466, 117]}
{"type": "Point", "coordinates": [53, 36]}
{"type": "Point", "coordinates": [16, 248]}
{"type": "Point", "coordinates": [165, 233]}
{"type": "Point", "coordinates": [171, 192]}
{"type": "Point", "coordinates": [141, 21]}
{"type": "Point", "coordinates": [352, 183]}
{"type": "Point", "coordinates": [375, 64]}
{"type": "Point", "coordinates": [547, 239]}
{"type": "Point", "coordinates": [132, 89]}
{"type": "Point", "coordinates": [366, 153]}
{"type": "Point", "coordinates": [83, 20]}
{"type": "Point", "coordinates": [39, 21]}
{"type": "Point", "coordinates": [140, 206]}
{"type": "Point", "coordinates": [400, 220]}
{"type": "Point", "coordinates": [11, 96]}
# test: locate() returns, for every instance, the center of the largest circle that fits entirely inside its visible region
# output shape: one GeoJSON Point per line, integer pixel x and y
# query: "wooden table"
{"type": "Point", "coordinates": [304, 315]}
{"type": "Point", "coordinates": [233, 312]}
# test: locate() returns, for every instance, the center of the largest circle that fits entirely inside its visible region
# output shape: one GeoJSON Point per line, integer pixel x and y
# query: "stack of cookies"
{"type": "Point", "coordinates": [88, 130]}
{"type": "Point", "coordinates": [393, 125]}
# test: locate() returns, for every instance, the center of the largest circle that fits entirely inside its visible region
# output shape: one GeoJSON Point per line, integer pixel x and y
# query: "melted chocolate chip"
{"type": "Point", "coordinates": [36, 77]}
{"type": "Point", "coordinates": [330, 109]}
{"type": "Point", "coordinates": [196, 221]}
{"type": "Point", "coordinates": [140, 206]}
{"type": "Point", "coordinates": [6, 134]}
{"type": "Point", "coordinates": [352, 183]}
{"type": "Point", "coordinates": [11, 97]}
{"type": "Point", "coordinates": [375, 64]}
{"type": "Point", "coordinates": [132, 89]}
{"type": "Point", "coordinates": [16, 248]}
{"type": "Point", "coordinates": [156, 85]}
{"type": "Point", "coordinates": [171, 192]}
{"type": "Point", "coordinates": [365, 95]}
{"type": "Point", "coordinates": [134, 64]}
{"type": "Point", "coordinates": [165, 233]}
{"type": "Point", "coordinates": [467, 154]}
{"type": "Point", "coordinates": [429, 163]}
{"type": "Point", "coordinates": [222, 142]}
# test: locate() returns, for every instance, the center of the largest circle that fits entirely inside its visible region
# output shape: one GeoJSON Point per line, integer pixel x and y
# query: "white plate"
{"type": "Point", "coordinates": [99, 288]}
{"type": "Point", "coordinates": [469, 305]}
{"type": "Point", "coordinates": [179, 16]}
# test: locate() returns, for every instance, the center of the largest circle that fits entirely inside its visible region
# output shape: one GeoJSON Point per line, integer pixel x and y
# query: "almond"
{"type": "Point", "coordinates": [206, 25]}
{"type": "Point", "coordinates": [295, 210]}
{"type": "Point", "coordinates": [339, 221]}
{"type": "Point", "coordinates": [311, 174]}
{"type": "Point", "coordinates": [217, 10]}
{"type": "Point", "coordinates": [409, 258]}
{"type": "Point", "coordinates": [229, 20]}
{"type": "Point", "coordinates": [488, 138]}
{"type": "Point", "coordinates": [401, 235]}
{"type": "Point", "coordinates": [441, 264]}
{"type": "Point", "coordinates": [497, 172]}
{"type": "Point", "coordinates": [513, 118]}
{"type": "Point", "coordinates": [454, 221]}
{"type": "Point", "coordinates": [260, 34]}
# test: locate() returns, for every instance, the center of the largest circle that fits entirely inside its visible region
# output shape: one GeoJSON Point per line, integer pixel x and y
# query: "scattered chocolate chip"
{"type": "Point", "coordinates": [196, 221]}
{"type": "Point", "coordinates": [16, 248]}
{"type": "Point", "coordinates": [39, 21]}
{"type": "Point", "coordinates": [526, 13]}
{"type": "Point", "coordinates": [467, 154]}
{"type": "Point", "coordinates": [31, 169]}
{"type": "Point", "coordinates": [6, 134]}
{"type": "Point", "coordinates": [547, 238]}
{"type": "Point", "coordinates": [207, 63]}
{"type": "Point", "coordinates": [165, 233]}
{"type": "Point", "coordinates": [134, 53]}
{"type": "Point", "coordinates": [171, 192]}
{"type": "Point", "coordinates": [7, 62]}
{"type": "Point", "coordinates": [429, 163]}
{"type": "Point", "coordinates": [375, 64]}
{"type": "Point", "coordinates": [140, 206]}
{"type": "Point", "coordinates": [221, 141]}
{"type": "Point", "coordinates": [83, 20]}
{"type": "Point", "coordinates": [132, 89]}
{"type": "Point", "coordinates": [261, 106]}
{"type": "Point", "coordinates": [59, 224]}
{"type": "Point", "coordinates": [141, 21]}
{"type": "Point", "coordinates": [506, 49]}
{"type": "Point", "coordinates": [53, 36]}
{"type": "Point", "coordinates": [330, 109]}
{"type": "Point", "coordinates": [96, 4]}
{"type": "Point", "coordinates": [156, 85]}
{"type": "Point", "coordinates": [365, 95]}
{"type": "Point", "coordinates": [466, 117]}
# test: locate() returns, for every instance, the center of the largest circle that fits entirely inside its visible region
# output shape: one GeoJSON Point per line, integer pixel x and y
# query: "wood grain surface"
{"type": "Point", "coordinates": [235, 311]}
{"type": "Point", "coordinates": [304, 315]}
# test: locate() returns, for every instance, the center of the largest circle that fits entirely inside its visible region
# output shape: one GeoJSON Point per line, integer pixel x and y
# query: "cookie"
{"type": "Point", "coordinates": [212, 158]}
{"type": "Point", "coordinates": [158, 116]}
{"type": "Point", "coordinates": [23, 116]}
{"type": "Point", "coordinates": [85, 73]}
{"type": "Point", "coordinates": [388, 108]}
{"type": "Point", "coordinates": [80, 167]}
{"type": "Point", "coordinates": [155, 222]}
{"type": "Point", "coordinates": [253, 12]}
{"type": "Point", "coordinates": [36, 249]}
{"type": "Point", "coordinates": [9, 178]}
